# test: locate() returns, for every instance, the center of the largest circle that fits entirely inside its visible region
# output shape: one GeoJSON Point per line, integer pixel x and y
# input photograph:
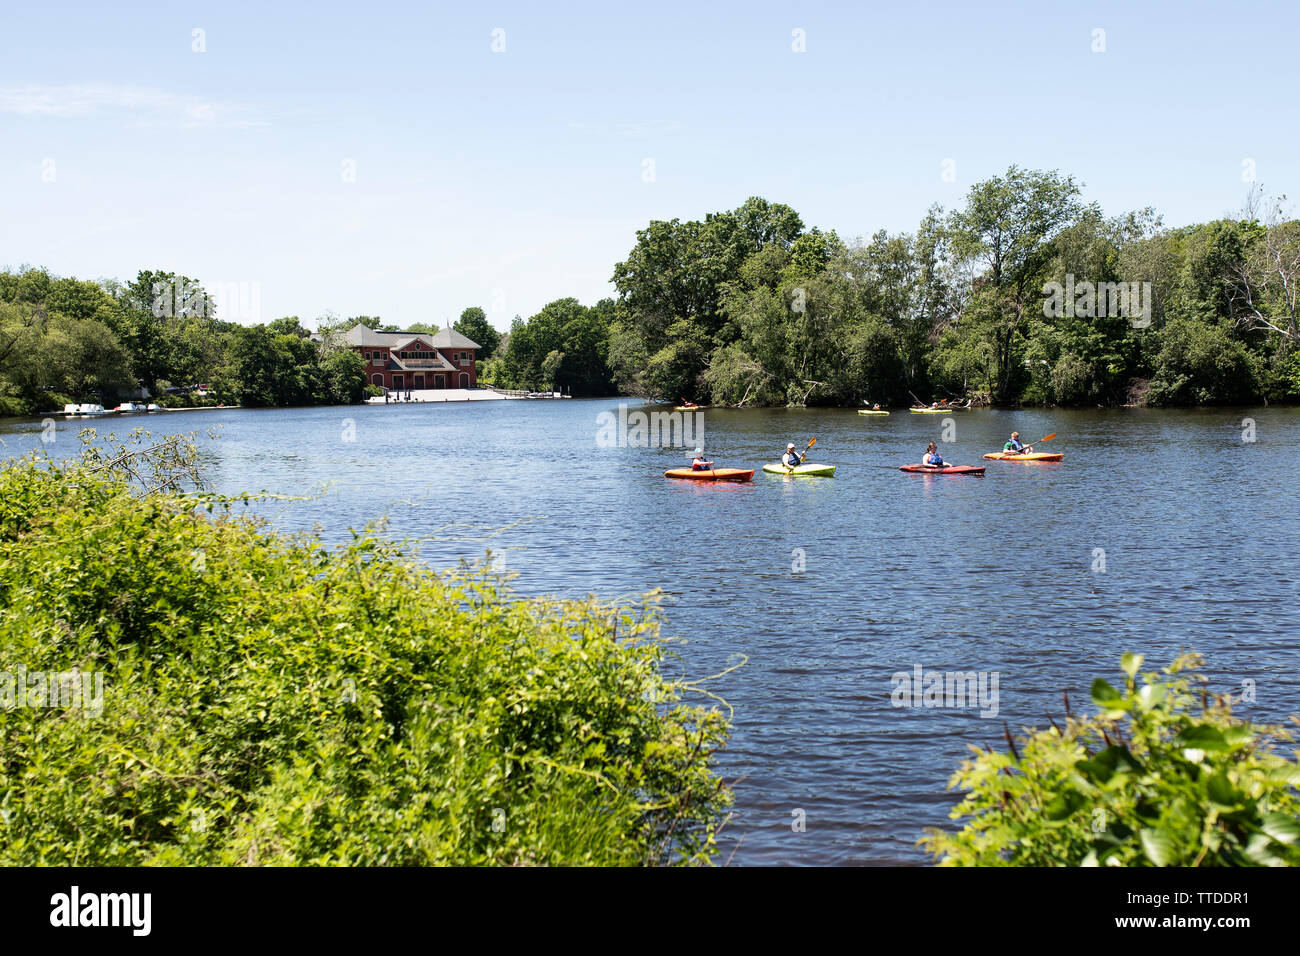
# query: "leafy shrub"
{"type": "Point", "coordinates": [269, 700]}
{"type": "Point", "coordinates": [1147, 781]}
{"type": "Point", "coordinates": [1201, 364]}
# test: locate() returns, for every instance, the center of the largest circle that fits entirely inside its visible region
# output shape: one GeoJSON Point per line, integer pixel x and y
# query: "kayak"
{"type": "Point", "coordinates": [930, 411]}
{"type": "Point", "coordinates": [689, 408]}
{"type": "Point", "coordinates": [801, 471]}
{"type": "Point", "coordinates": [1036, 456]}
{"type": "Point", "coordinates": [712, 474]}
{"type": "Point", "coordinates": [870, 411]}
{"type": "Point", "coordinates": [944, 470]}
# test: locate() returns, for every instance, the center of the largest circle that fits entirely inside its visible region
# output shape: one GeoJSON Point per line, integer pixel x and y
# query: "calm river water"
{"type": "Point", "coordinates": [1160, 531]}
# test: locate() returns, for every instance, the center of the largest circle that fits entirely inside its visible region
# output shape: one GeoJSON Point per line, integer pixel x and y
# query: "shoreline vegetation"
{"type": "Point", "coordinates": [263, 699]}
{"type": "Point", "coordinates": [1024, 295]}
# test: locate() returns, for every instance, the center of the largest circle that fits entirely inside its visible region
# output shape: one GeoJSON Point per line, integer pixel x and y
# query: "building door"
{"type": "Point", "coordinates": [419, 381]}
{"type": "Point", "coordinates": [377, 379]}
{"type": "Point", "coordinates": [464, 379]}
{"type": "Point", "coordinates": [439, 382]}
{"type": "Point", "coordinates": [397, 382]}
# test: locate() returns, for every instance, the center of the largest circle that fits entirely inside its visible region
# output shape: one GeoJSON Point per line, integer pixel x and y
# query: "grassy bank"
{"type": "Point", "coordinates": [268, 700]}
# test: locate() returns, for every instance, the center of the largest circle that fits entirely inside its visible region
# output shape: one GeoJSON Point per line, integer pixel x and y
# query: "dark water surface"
{"type": "Point", "coordinates": [1200, 532]}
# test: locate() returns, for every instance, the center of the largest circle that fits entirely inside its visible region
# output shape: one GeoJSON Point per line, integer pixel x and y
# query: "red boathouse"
{"type": "Point", "coordinates": [415, 360]}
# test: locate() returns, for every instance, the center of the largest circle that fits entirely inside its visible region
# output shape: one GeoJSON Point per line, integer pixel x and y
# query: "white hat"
{"type": "Point", "coordinates": [699, 451]}
{"type": "Point", "coordinates": [789, 445]}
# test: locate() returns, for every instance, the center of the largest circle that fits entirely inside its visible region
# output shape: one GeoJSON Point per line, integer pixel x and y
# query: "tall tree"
{"type": "Point", "coordinates": [474, 325]}
{"type": "Point", "coordinates": [1004, 236]}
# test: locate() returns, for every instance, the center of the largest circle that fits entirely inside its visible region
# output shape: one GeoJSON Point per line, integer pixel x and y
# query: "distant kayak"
{"type": "Point", "coordinates": [871, 411]}
{"type": "Point", "coordinates": [689, 408]}
{"type": "Point", "coordinates": [945, 470]}
{"type": "Point", "coordinates": [950, 407]}
{"type": "Point", "coordinates": [801, 471]}
{"type": "Point", "coordinates": [711, 474]}
{"type": "Point", "coordinates": [1035, 456]}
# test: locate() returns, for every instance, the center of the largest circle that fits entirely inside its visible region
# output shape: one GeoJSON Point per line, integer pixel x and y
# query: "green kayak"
{"type": "Point", "coordinates": [801, 471]}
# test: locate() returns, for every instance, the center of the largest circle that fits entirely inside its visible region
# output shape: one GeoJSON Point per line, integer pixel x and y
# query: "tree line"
{"type": "Point", "coordinates": [66, 340]}
{"type": "Point", "coordinates": [1025, 294]}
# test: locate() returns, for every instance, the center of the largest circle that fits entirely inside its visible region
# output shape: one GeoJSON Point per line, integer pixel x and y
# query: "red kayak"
{"type": "Point", "coordinates": [944, 470]}
{"type": "Point", "coordinates": [712, 474]}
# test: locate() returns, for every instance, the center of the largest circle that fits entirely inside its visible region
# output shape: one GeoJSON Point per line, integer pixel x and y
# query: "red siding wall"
{"type": "Point", "coordinates": [377, 373]}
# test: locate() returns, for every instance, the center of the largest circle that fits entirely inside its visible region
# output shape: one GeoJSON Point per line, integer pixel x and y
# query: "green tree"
{"type": "Point", "coordinates": [1006, 231]}
{"type": "Point", "coordinates": [474, 325]}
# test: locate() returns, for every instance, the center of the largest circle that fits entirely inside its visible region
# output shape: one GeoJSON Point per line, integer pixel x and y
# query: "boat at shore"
{"type": "Point", "coordinates": [940, 410]}
{"type": "Point", "coordinates": [84, 410]}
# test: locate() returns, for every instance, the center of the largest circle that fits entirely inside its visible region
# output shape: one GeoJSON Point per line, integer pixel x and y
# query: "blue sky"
{"type": "Point", "coordinates": [508, 179]}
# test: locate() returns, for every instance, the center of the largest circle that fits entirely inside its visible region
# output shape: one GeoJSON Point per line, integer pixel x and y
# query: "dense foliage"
{"type": "Point", "coordinates": [268, 700]}
{"type": "Point", "coordinates": [65, 340]}
{"type": "Point", "coordinates": [1151, 780]}
{"type": "Point", "coordinates": [750, 306]}
{"type": "Point", "coordinates": [563, 348]}
{"type": "Point", "coordinates": [1023, 294]}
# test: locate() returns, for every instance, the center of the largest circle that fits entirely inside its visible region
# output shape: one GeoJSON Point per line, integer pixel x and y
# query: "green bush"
{"type": "Point", "coordinates": [1151, 780]}
{"type": "Point", "coordinates": [1201, 364]}
{"type": "Point", "coordinates": [269, 700]}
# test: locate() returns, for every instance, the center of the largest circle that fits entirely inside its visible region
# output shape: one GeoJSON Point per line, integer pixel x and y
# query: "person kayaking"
{"type": "Point", "coordinates": [932, 457]}
{"type": "Point", "coordinates": [1016, 447]}
{"type": "Point", "coordinates": [698, 463]}
{"type": "Point", "coordinates": [791, 458]}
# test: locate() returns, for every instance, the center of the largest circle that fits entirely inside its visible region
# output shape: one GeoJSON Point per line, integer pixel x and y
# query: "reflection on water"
{"type": "Point", "coordinates": [830, 586]}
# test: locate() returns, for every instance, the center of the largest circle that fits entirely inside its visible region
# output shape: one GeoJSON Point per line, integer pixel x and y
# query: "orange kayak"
{"type": "Point", "coordinates": [712, 474]}
{"type": "Point", "coordinates": [1036, 456]}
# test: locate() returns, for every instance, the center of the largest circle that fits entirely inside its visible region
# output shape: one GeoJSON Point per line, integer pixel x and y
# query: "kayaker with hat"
{"type": "Point", "coordinates": [1016, 447]}
{"type": "Point", "coordinates": [698, 463]}
{"type": "Point", "coordinates": [932, 457]}
{"type": "Point", "coordinates": [791, 458]}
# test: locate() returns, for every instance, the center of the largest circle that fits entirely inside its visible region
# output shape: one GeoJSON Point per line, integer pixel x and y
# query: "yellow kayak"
{"type": "Point", "coordinates": [1035, 456]}
{"type": "Point", "coordinates": [871, 411]}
